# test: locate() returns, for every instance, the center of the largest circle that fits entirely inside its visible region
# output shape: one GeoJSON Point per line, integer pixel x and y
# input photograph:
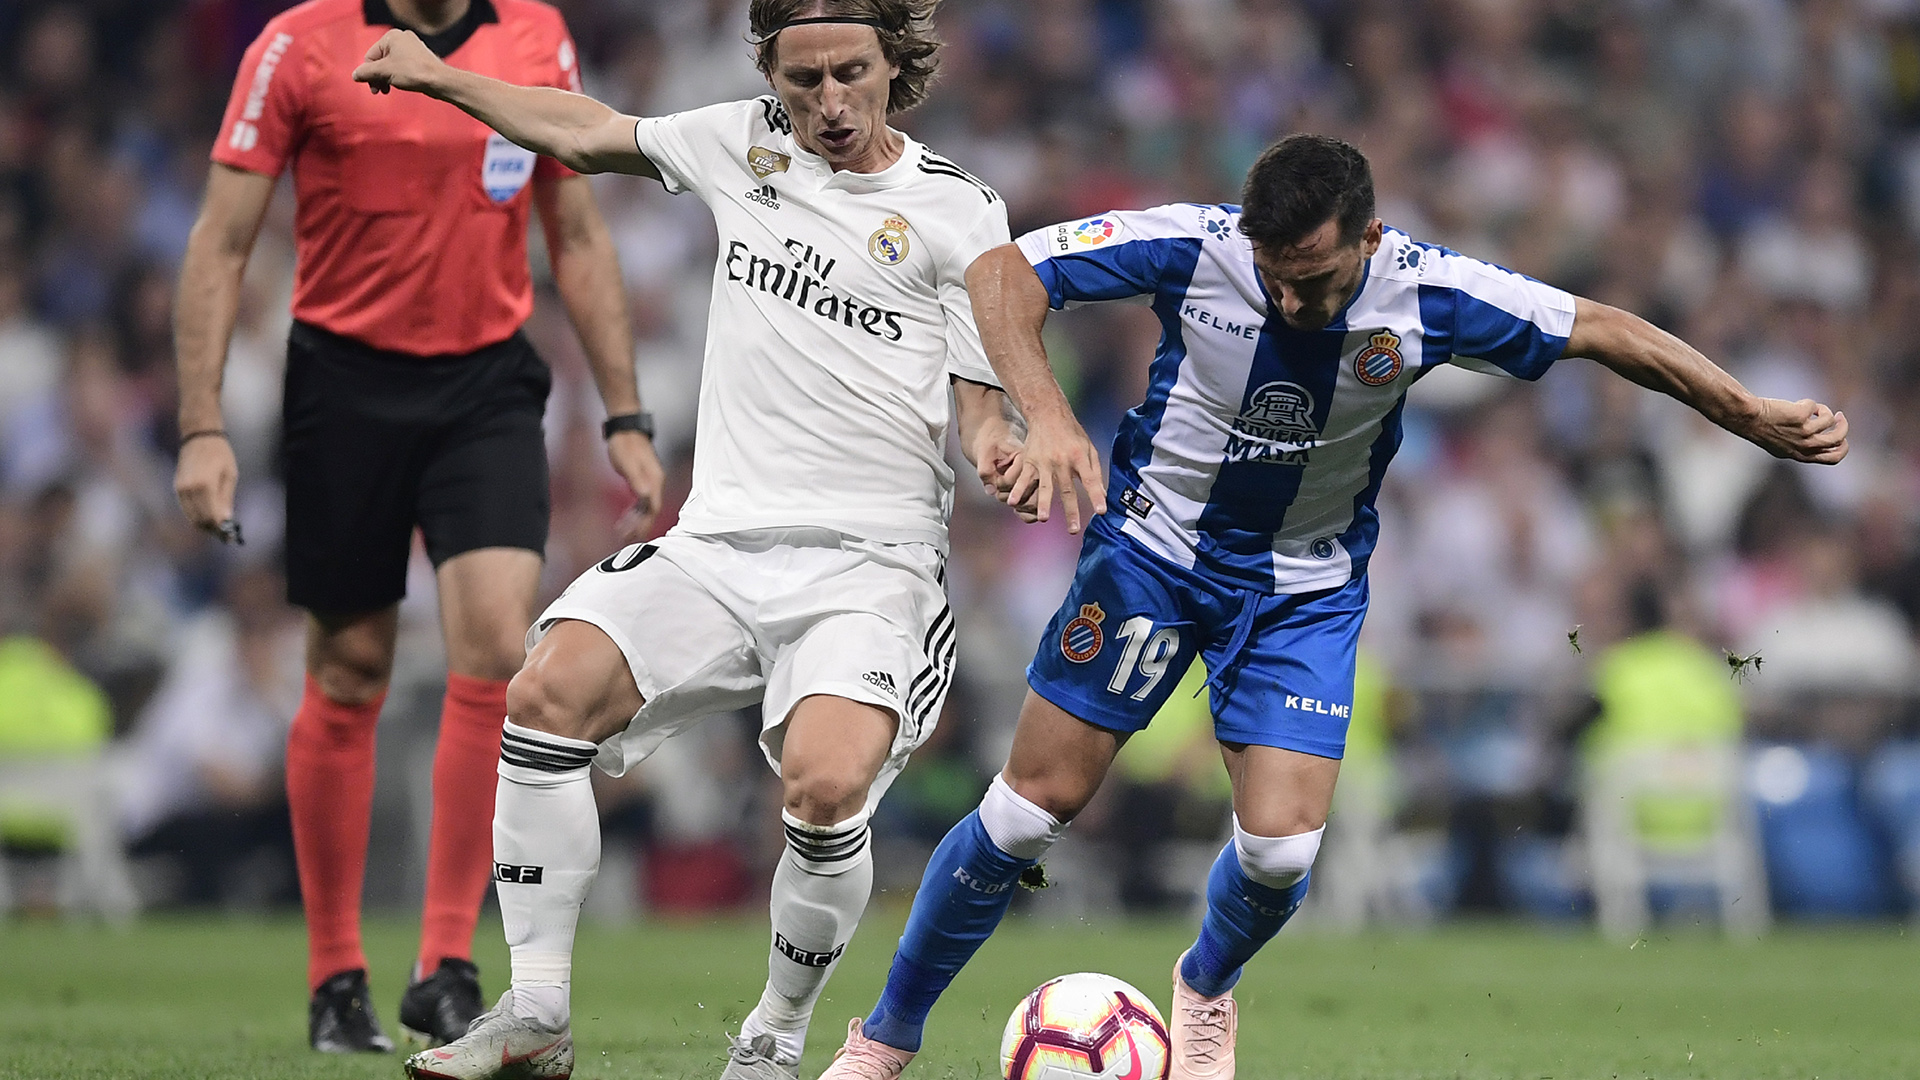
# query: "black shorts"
{"type": "Point", "coordinates": [378, 442]}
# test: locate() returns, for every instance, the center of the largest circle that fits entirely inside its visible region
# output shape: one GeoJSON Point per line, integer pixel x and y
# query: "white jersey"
{"type": "Point", "coordinates": [839, 311]}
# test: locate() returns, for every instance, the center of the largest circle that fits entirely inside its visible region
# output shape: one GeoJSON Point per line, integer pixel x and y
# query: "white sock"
{"type": "Point", "coordinates": [546, 850]}
{"type": "Point", "coordinates": [820, 890]}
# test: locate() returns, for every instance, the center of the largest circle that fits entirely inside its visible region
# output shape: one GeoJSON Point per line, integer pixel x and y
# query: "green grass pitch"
{"type": "Point", "coordinates": [216, 999]}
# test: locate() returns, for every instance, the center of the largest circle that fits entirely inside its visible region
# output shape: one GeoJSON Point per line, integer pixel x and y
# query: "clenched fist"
{"type": "Point", "coordinates": [1802, 430]}
{"type": "Point", "coordinates": [399, 59]}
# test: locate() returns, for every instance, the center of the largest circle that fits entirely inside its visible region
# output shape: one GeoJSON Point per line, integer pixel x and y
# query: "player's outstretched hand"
{"type": "Point", "coordinates": [633, 458]}
{"type": "Point", "coordinates": [398, 59]}
{"type": "Point", "coordinates": [204, 480]}
{"type": "Point", "coordinates": [1803, 430]}
{"type": "Point", "coordinates": [1057, 454]}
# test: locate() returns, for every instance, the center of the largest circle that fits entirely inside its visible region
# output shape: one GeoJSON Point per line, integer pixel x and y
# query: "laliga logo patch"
{"type": "Point", "coordinates": [888, 244]}
{"type": "Point", "coordinates": [505, 169]}
{"type": "Point", "coordinates": [1096, 231]}
{"type": "Point", "coordinates": [765, 162]}
{"type": "Point", "coordinates": [1379, 363]}
{"type": "Point", "coordinates": [1082, 638]}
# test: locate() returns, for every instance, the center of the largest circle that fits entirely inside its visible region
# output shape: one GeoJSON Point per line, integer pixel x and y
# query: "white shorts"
{"type": "Point", "coordinates": [715, 623]}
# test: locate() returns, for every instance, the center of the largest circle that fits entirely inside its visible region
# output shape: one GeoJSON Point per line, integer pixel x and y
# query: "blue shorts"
{"type": "Point", "coordinates": [1281, 666]}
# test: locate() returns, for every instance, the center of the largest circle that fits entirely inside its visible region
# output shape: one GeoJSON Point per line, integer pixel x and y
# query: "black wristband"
{"type": "Point", "coordinates": [641, 422]}
{"type": "Point", "coordinates": [203, 432]}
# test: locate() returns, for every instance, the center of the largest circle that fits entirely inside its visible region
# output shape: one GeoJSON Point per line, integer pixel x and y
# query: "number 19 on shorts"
{"type": "Point", "coordinates": [1147, 653]}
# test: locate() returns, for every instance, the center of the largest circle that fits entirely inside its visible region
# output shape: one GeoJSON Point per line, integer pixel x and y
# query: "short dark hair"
{"type": "Point", "coordinates": [906, 36]}
{"type": "Point", "coordinates": [1302, 182]}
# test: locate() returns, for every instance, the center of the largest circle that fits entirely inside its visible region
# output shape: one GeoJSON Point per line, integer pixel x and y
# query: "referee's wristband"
{"type": "Point", "coordinates": [203, 433]}
{"type": "Point", "coordinates": [641, 422]}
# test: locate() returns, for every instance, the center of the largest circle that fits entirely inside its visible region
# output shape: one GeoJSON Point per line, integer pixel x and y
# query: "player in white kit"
{"type": "Point", "coordinates": [806, 571]}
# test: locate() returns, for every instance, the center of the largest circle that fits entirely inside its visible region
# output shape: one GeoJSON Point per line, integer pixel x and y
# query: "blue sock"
{"type": "Point", "coordinates": [1242, 915]}
{"type": "Point", "coordinates": [963, 896]}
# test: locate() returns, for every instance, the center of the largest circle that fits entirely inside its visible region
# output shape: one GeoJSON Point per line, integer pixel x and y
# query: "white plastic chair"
{"type": "Point", "coordinates": [93, 873]}
{"type": "Point", "coordinates": [1624, 864]}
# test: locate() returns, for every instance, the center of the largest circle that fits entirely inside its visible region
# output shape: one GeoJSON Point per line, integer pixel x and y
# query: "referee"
{"type": "Point", "coordinates": [412, 400]}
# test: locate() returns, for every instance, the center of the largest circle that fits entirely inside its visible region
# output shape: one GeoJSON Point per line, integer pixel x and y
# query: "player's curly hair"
{"type": "Point", "coordinates": [906, 34]}
{"type": "Point", "coordinates": [1300, 183]}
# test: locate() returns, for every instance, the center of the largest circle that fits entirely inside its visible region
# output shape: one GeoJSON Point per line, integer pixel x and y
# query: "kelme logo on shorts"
{"type": "Point", "coordinates": [1082, 638]}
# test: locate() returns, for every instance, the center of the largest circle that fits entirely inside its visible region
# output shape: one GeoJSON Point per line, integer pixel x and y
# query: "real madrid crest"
{"type": "Point", "coordinates": [1379, 363]}
{"type": "Point", "coordinates": [1082, 638]}
{"type": "Point", "coordinates": [888, 244]}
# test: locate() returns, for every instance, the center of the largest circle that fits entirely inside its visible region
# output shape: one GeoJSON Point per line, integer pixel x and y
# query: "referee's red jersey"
{"type": "Point", "coordinates": [411, 228]}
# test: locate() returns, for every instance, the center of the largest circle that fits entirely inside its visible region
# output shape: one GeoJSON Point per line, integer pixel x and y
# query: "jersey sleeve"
{"type": "Point", "coordinates": [563, 64]}
{"type": "Point", "coordinates": [1499, 322]}
{"type": "Point", "coordinates": [966, 358]}
{"type": "Point", "coordinates": [683, 144]}
{"type": "Point", "coordinates": [266, 113]}
{"type": "Point", "coordinates": [1113, 255]}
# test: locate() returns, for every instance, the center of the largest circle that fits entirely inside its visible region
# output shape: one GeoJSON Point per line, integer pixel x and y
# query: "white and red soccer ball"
{"type": "Point", "coordinates": [1085, 1027]}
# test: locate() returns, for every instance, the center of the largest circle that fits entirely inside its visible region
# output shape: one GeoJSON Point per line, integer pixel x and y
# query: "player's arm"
{"type": "Point", "coordinates": [579, 132]}
{"type": "Point", "coordinates": [587, 276]}
{"type": "Point", "coordinates": [1010, 306]}
{"type": "Point", "coordinates": [992, 434]}
{"type": "Point", "coordinates": [1635, 348]}
{"type": "Point", "coordinates": [204, 311]}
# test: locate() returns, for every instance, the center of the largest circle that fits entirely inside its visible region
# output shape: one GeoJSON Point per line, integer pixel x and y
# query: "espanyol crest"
{"type": "Point", "coordinates": [1081, 639]}
{"type": "Point", "coordinates": [505, 169]}
{"type": "Point", "coordinates": [1379, 363]}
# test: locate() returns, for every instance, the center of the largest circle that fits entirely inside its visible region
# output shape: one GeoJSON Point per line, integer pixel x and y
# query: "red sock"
{"type": "Point", "coordinates": [460, 853]}
{"type": "Point", "coordinates": [330, 795]}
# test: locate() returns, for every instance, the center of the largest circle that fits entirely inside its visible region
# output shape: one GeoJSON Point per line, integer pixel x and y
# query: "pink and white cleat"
{"type": "Point", "coordinates": [1202, 1029]}
{"type": "Point", "coordinates": [865, 1059]}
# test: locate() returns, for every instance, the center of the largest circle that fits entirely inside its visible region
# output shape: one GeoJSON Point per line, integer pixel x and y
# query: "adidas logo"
{"type": "Point", "coordinates": [765, 196]}
{"type": "Point", "coordinates": [882, 680]}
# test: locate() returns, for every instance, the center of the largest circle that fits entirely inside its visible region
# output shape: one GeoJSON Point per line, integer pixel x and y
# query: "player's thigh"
{"type": "Point", "coordinates": [486, 605]}
{"type": "Point", "coordinates": [354, 445]}
{"type": "Point", "coordinates": [1058, 760]}
{"type": "Point", "coordinates": [485, 484]}
{"type": "Point", "coordinates": [1279, 792]}
{"type": "Point", "coordinates": [1282, 703]}
{"type": "Point", "coordinates": [1120, 641]}
{"type": "Point", "coordinates": [833, 751]}
{"type": "Point", "coordinates": [685, 653]}
{"type": "Point", "coordinates": [894, 654]}
{"type": "Point", "coordinates": [575, 683]}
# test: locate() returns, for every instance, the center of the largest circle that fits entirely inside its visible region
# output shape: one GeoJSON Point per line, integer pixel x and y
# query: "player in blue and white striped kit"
{"type": "Point", "coordinates": [1242, 521]}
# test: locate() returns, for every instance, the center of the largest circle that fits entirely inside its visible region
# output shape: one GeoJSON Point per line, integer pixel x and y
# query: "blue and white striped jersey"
{"type": "Point", "coordinates": [1259, 450]}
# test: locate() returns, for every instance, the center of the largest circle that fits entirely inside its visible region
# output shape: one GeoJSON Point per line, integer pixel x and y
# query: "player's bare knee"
{"type": "Point", "coordinates": [351, 669]}
{"type": "Point", "coordinates": [495, 657]}
{"type": "Point", "coordinates": [1060, 795]}
{"type": "Point", "coordinates": [824, 796]}
{"type": "Point", "coordinates": [535, 701]}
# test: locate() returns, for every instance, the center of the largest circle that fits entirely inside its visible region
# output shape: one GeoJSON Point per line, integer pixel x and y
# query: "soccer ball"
{"type": "Point", "coordinates": [1085, 1027]}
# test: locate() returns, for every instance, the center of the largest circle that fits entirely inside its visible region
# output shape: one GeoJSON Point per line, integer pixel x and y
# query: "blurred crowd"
{"type": "Point", "coordinates": [1745, 173]}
